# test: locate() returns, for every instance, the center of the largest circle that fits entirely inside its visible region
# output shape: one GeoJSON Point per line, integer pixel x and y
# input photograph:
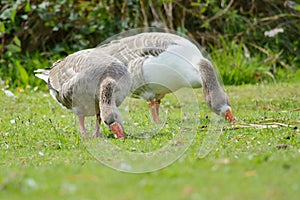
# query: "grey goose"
{"type": "Point", "coordinates": [160, 63]}
{"type": "Point", "coordinates": [89, 85]}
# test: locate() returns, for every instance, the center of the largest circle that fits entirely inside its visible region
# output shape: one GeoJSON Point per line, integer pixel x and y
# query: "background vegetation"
{"type": "Point", "coordinates": [36, 33]}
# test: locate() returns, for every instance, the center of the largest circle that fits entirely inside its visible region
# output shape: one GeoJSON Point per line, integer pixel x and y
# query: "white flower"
{"type": "Point", "coordinates": [273, 32]}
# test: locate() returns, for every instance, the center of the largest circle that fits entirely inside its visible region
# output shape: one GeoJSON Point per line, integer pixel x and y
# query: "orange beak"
{"type": "Point", "coordinates": [229, 116]}
{"type": "Point", "coordinates": [117, 130]}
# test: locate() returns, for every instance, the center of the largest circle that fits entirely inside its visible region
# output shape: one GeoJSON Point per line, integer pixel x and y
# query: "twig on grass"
{"type": "Point", "coordinates": [265, 124]}
{"type": "Point", "coordinates": [279, 119]}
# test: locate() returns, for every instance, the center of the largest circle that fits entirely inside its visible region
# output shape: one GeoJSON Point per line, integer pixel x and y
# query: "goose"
{"type": "Point", "coordinates": [89, 85]}
{"type": "Point", "coordinates": [161, 63]}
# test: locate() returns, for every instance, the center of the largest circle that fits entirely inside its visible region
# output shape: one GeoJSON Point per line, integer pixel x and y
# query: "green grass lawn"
{"type": "Point", "coordinates": [43, 156]}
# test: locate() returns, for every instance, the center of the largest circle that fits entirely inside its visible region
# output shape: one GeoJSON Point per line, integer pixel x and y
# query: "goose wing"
{"type": "Point", "coordinates": [141, 45]}
{"type": "Point", "coordinates": [64, 74]}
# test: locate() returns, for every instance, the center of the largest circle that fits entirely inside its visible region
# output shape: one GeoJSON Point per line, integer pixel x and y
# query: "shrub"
{"type": "Point", "coordinates": [230, 28]}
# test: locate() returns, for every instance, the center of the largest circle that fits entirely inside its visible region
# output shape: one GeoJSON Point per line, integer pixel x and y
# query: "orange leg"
{"type": "Point", "coordinates": [154, 107]}
{"type": "Point", "coordinates": [157, 104]}
{"type": "Point", "coordinates": [82, 127]}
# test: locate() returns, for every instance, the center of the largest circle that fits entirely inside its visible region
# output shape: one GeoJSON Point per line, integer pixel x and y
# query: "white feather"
{"type": "Point", "coordinates": [43, 77]}
{"type": "Point", "coordinates": [176, 67]}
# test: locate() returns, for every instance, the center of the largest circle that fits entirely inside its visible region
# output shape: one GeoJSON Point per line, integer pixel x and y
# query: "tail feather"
{"type": "Point", "coordinates": [42, 74]}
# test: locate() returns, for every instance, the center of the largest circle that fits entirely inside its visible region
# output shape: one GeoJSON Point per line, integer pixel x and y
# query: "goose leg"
{"type": "Point", "coordinates": [157, 104]}
{"type": "Point", "coordinates": [97, 130]}
{"type": "Point", "coordinates": [82, 127]}
{"type": "Point", "coordinates": [154, 108]}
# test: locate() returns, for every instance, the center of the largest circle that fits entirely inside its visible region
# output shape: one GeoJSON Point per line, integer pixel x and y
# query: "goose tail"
{"type": "Point", "coordinates": [42, 74]}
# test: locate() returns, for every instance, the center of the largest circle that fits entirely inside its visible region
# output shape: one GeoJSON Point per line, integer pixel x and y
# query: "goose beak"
{"type": "Point", "coordinates": [229, 116]}
{"type": "Point", "coordinates": [117, 130]}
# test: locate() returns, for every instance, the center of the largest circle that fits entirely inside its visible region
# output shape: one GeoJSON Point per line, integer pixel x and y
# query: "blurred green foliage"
{"type": "Point", "coordinates": [36, 33]}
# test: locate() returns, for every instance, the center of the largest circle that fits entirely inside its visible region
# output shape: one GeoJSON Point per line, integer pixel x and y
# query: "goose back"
{"type": "Point", "coordinates": [75, 81]}
{"type": "Point", "coordinates": [159, 63]}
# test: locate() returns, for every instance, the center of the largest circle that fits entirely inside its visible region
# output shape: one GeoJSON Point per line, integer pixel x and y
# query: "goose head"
{"type": "Point", "coordinates": [215, 97]}
{"type": "Point", "coordinates": [112, 119]}
{"type": "Point", "coordinates": [219, 103]}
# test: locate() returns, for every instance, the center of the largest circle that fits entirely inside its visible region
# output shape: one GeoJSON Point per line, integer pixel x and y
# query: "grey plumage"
{"type": "Point", "coordinates": [142, 45]}
{"type": "Point", "coordinates": [215, 96]}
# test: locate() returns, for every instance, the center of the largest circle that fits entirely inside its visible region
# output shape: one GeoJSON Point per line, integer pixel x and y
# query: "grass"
{"type": "Point", "coordinates": [43, 156]}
